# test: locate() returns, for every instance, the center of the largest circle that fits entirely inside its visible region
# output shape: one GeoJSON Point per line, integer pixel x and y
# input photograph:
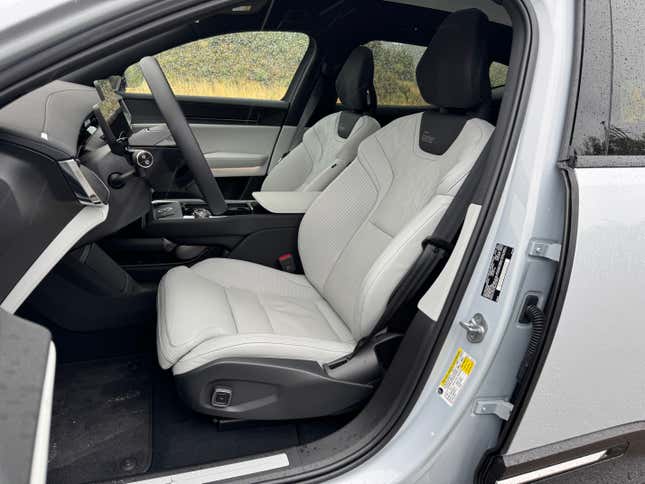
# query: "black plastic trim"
{"type": "Point", "coordinates": [29, 181]}
{"type": "Point", "coordinates": [211, 110]}
{"type": "Point", "coordinates": [215, 231]}
{"type": "Point", "coordinates": [615, 161]}
{"type": "Point", "coordinates": [269, 389]}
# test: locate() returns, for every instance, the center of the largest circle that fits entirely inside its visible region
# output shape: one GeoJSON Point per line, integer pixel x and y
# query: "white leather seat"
{"type": "Point", "coordinates": [331, 144]}
{"type": "Point", "coordinates": [356, 241]}
{"type": "Point", "coordinates": [242, 309]}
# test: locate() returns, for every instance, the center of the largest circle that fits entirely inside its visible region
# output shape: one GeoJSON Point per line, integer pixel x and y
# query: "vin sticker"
{"type": "Point", "coordinates": [497, 272]}
{"type": "Point", "coordinates": [458, 372]}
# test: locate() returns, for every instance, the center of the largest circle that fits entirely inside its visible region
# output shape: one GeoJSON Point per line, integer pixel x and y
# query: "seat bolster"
{"type": "Point", "coordinates": [263, 346]}
{"type": "Point", "coordinates": [364, 128]}
{"type": "Point", "coordinates": [186, 306]}
{"type": "Point", "coordinates": [390, 267]}
{"type": "Point", "coordinates": [290, 172]}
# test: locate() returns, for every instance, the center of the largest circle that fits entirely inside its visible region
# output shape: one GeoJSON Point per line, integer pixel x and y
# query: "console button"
{"type": "Point", "coordinates": [221, 397]}
{"type": "Point", "coordinates": [201, 213]}
{"type": "Point", "coordinates": [144, 158]}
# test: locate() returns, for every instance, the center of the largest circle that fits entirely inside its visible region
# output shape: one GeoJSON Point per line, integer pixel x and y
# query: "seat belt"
{"type": "Point", "coordinates": [436, 248]}
{"type": "Point", "coordinates": [307, 113]}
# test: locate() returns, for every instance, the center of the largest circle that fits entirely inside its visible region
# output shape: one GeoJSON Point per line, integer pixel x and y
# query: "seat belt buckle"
{"type": "Point", "coordinates": [287, 263]}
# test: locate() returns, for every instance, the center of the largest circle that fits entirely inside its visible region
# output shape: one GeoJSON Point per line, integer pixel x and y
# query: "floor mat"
{"type": "Point", "coordinates": [122, 417]}
{"type": "Point", "coordinates": [101, 421]}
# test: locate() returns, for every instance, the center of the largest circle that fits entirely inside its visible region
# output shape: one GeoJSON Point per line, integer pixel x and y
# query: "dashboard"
{"type": "Point", "coordinates": [56, 162]}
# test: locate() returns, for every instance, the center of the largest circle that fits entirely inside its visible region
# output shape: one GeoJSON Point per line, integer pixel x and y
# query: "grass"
{"type": "Point", "coordinates": [245, 90]}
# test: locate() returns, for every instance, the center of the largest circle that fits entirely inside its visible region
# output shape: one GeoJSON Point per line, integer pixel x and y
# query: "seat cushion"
{"type": "Point", "coordinates": [223, 308]}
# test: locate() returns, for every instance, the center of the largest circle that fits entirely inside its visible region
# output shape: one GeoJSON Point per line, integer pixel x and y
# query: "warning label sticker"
{"type": "Point", "coordinates": [455, 378]}
{"type": "Point", "coordinates": [497, 272]}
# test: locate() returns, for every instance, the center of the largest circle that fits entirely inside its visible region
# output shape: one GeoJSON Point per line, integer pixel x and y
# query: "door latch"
{"type": "Point", "coordinates": [476, 328]}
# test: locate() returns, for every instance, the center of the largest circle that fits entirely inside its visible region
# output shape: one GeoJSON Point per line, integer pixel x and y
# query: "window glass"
{"type": "Point", "coordinates": [498, 73]}
{"type": "Point", "coordinates": [395, 67]}
{"type": "Point", "coordinates": [610, 116]}
{"type": "Point", "coordinates": [626, 133]}
{"type": "Point", "coordinates": [253, 65]}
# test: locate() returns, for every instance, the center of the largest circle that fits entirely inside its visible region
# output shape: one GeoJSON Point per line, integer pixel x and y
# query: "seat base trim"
{"type": "Point", "coordinates": [269, 389]}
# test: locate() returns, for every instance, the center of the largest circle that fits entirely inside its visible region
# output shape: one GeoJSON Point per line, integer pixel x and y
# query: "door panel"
{"type": "Point", "coordinates": [211, 110]}
{"type": "Point", "coordinates": [238, 136]}
{"type": "Point", "coordinates": [232, 150]}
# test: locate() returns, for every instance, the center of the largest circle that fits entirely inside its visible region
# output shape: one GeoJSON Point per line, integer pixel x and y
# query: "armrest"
{"type": "Point", "coordinates": [286, 202]}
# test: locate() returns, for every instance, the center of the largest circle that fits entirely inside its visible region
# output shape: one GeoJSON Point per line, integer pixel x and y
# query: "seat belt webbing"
{"type": "Point", "coordinates": [307, 113]}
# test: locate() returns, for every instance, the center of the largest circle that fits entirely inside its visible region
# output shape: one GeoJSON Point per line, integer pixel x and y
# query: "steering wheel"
{"type": "Point", "coordinates": [182, 134]}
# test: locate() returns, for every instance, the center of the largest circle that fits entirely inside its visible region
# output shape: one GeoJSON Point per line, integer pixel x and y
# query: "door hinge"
{"type": "Point", "coordinates": [545, 249]}
{"type": "Point", "coordinates": [494, 406]}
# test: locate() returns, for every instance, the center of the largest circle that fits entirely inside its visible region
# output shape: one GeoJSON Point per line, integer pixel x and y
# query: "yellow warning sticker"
{"type": "Point", "coordinates": [455, 378]}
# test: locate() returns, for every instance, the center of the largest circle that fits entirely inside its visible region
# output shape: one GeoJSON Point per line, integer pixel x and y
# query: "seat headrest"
{"type": "Point", "coordinates": [355, 82]}
{"type": "Point", "coordinates": [453, 71]}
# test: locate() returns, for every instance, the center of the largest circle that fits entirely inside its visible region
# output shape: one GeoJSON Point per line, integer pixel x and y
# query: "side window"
{"type": "Point", "coordinates": [498, 73]}
{"type": "Point", "coordinates": [627, 116]}
{"type": "Point", "coordinates": [395, 67]}
{"type": "Point", "coordinates": [610, 116]}
{"type": "Point", "coordinates": [251, 65]}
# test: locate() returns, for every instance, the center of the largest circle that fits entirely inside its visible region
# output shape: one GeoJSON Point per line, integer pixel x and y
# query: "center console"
{"type": "Point", "coordinates": [246, 231]}
{"type": "Point", "coordinates": [191, 209]}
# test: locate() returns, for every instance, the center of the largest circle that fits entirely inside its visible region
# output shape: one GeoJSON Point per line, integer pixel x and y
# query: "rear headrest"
{"type": "Point", "coordinates": [453, 72]}
{"type": "Point", "coordinates": [355, 82]}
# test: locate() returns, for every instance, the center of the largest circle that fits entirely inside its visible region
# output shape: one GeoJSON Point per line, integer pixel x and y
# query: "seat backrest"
{"type": "Point", "coordinates": [363, 233]}
{"type": "Point", "coordinates": [332, 143]}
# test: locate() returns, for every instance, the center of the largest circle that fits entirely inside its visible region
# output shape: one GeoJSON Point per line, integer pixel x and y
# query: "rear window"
{"type": "Point", "coordinates": [498, 73]}
{"type": "Point", "coordinates": [395, 66]}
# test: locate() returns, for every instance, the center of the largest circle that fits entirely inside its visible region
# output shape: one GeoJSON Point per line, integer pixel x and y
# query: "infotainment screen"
{"type": "Point", "coordinates": [113, 116]}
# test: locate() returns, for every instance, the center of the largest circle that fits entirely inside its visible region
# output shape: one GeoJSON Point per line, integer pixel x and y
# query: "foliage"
{"type": "Point", "coordinates": [498, 74]}
{"type": "Point", "coordinates": [258, 65]}
{"type": "Point", "coordinates": [395, 73]}
{"type": "Point", "coordinates": [261, 65]}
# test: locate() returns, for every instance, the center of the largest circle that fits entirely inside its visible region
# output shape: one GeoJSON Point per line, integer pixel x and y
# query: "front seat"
{"type": "Point", "coordinates": [247, 341]}
{"type": "Point", "coordinates": [331, 144]}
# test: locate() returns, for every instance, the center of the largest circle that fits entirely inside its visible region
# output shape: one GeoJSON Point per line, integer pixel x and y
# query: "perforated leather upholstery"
{"type": "Point", "coordinates": [322, 156]}
{"type": "Point", "coordinates": [224, 307]}
{"type": "Point", "coordinates": [356, 242]}
{"type": "Point", "coordinates": [325, 151]}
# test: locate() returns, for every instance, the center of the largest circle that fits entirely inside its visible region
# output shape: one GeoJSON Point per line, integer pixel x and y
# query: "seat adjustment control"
{"type": "Point", "coordinates": [221, 397]}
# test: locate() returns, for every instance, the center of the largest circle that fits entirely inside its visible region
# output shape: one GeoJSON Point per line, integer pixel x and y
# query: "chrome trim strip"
{"type": "Point", "coordinates": [79, 184]}
{"type": "Point", "coordinates": [223, 472]}
{"type": "Point", "coordinates": [555, 469]}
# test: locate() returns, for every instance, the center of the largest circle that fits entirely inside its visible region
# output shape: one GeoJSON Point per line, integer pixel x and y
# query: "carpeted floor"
{"type": "Point", "coordinates": [101, 421]}
{"type": "Point", "coordinates": [121, 417]}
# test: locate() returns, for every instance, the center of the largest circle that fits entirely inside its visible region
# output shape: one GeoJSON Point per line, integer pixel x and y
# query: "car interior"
{"type": "Point", "coordinates": [238, 297]}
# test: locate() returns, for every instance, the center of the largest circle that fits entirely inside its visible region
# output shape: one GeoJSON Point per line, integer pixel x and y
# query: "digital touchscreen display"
{"type": "Point", "coordinates": [112, 115]}
{"type": "Point", "coordinates": [105, 89]}
{"type": "Point", "coordinates": [110, 109]}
